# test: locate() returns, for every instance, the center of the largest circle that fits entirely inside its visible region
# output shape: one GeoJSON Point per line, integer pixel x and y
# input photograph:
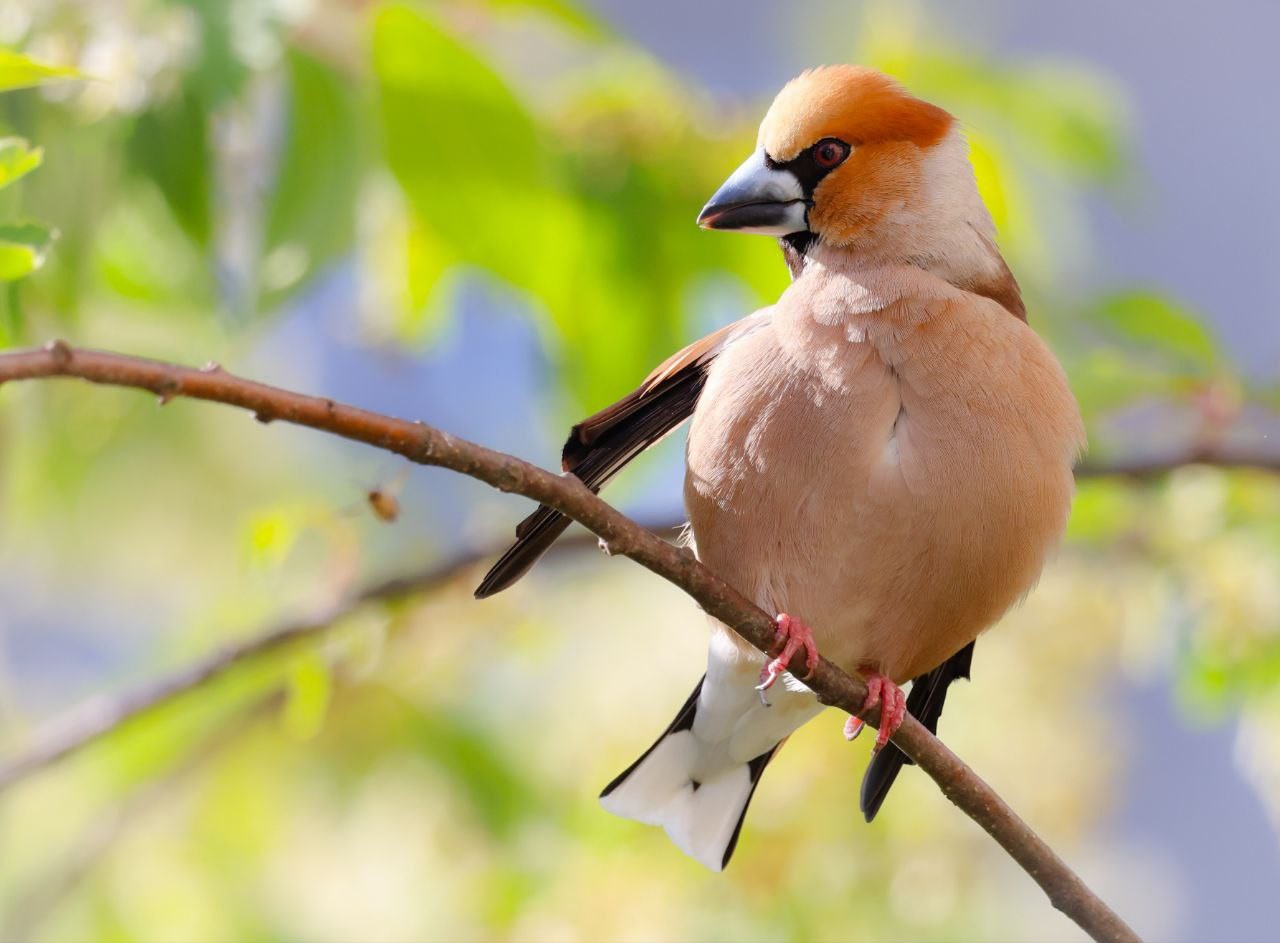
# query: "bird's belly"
{"type": "Point", "coordinates": [886, 528]}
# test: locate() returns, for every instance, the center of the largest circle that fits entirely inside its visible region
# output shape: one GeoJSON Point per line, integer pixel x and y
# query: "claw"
{"type": "Point", "coordinates": [893, 708]}
{"type": "Point", "coordinates": [792, 635]}
{"type": "Point", "coordinates": [853, 728]}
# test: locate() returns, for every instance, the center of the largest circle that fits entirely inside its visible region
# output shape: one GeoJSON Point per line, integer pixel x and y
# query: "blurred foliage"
{"type": "Point", "coordinates": [235, 173]}
{"type": "Point", "coordinates": [19, 71]}
{"type": "Point", "coordinates": [23, 246]}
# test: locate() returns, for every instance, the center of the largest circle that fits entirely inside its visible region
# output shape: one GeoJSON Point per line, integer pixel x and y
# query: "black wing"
{"type": "Point", "coordinates": [928, 694]}
{"type": "Point", "coordinates": [601, 446]}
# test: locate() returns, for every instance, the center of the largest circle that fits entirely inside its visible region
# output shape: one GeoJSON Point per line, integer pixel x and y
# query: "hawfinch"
{"type": "Point", "coordinates": [883, 456]}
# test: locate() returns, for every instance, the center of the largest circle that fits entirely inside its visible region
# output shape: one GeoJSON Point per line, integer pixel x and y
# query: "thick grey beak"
{"type": "Point", "coordinates": [757, 198]}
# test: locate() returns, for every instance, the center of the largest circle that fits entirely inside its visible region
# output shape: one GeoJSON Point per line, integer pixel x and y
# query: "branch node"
{"type": "Point", "coordinates": [264, 416]}
{"type": "Point", "coordinates": [169, 388]}
{"type": "Point", "coordinates": [211, 366]}
{"type": "Point", "coordinates": [511, 481]}
{"type": "Point", "coordinates": [60, 351]}
{"type": "Point", "coordinates": [428, 444]}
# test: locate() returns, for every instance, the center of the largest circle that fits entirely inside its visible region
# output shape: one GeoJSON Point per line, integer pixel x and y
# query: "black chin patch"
{"type": "Point", "coordinates": [794, 248]}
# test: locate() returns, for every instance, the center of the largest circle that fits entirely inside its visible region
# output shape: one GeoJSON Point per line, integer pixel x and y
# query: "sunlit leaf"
{"type": "Point", "coordinates": [1102, 511]}
{"type": "Point", "coordinates": [1213, 676]}
{"type": "Point", "coordinates": [1075, 115]}
{"type": "Point", "coordinates": [271, 535]}
{"type": "Point", "coordinates": [1149, 322]}
{"type": "Point", "coordinates": [17, 159]}
{"type": "Point", "coordinates": [23, 248]}
{"type": "Point", "coordinates": [17, 261]}
{"type": "Point", "coordinates": [464, 148]}
{"type": "Point", "coordinates": [401, 263]}
{"type": "Point", "coordinates": [427, 258]}
{"type": "Point", "coordinates": [142, 254]}
{"type": "Point", "coordinates": [309, 690]}
{"type": "Point", "coordinates": [19, 71]}
{"type": "Point", "coordinates": [1107, 378]}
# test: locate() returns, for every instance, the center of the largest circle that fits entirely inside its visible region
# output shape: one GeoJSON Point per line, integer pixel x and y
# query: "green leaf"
{"type": "Point", "coordinates": [1102, 511]}
{"type": "Point", "coordinates": [1108, 377]}
{"type": "Point", "coordinates": [17, 159]}
{"type": "Point", "coordinates": [19, 71]}
{"type": "Point", "coordinates": [23, 248]}
{"type": "Point", "coordinates": [310, 689]}
{"type": "Point", "coordinates": [170, 146]}
{"type": "Point", "coordinates": [1075, 117]}
{"type": "Point", "coordinates": [465, 150]}
{"type": "Point", "coordinates": [271, 535]}
{"type": "Point", "coordinates": [1149, 322]}
{"type": "Point", "coordinates": [311, 217]}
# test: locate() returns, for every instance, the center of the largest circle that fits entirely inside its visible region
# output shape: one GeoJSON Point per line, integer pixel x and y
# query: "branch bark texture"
{"type": "Point", "coordinates": [426, 445]}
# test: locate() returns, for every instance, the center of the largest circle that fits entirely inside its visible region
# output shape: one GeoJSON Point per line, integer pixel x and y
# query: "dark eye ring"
{"type": "Point", "coordinates": [829, 153]}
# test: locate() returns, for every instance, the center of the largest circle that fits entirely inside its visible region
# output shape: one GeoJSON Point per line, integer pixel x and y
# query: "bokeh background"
{"type": "Point", "coordinates": [480, 214]}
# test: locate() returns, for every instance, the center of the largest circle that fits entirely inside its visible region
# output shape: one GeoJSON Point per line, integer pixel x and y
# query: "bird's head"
{"type": "Point", "coordinates": [843, 155]}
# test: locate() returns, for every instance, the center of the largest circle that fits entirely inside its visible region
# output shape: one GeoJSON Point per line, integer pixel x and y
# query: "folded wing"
{"type": "Point", "coordinates": [601, 445]}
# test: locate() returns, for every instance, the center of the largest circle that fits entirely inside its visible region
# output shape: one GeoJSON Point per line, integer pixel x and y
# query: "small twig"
{"type": "Point", "coordinates": [103, 716]}
{"type": "Point", "coordinates": [428, 446]}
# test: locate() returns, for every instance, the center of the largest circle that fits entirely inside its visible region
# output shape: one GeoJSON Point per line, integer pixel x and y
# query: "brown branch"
{"type": "Point", "coordinates": [428, 446]}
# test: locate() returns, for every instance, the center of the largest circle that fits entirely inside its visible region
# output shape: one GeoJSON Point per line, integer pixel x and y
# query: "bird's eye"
{"type": "Point", "coordinates": [829, 153]}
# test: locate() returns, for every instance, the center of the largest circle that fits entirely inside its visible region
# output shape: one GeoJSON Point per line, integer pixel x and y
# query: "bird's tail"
{"type": "Point", "coordinates": [703, 816]}
{"type": "Point", "coordinates": [698, 779]}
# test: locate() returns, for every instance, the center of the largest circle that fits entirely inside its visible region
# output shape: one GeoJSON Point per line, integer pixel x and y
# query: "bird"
{"type": "Point", "coordinates": [883, 457]}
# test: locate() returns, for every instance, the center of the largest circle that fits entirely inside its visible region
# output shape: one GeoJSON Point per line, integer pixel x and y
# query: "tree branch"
{"type": "Point", "coordinates": [428, 446]}
{"type": "Point", "coordinates": [104, 715]}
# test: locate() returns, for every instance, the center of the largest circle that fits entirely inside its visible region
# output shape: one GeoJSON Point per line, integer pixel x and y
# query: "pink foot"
{"type": "Point", "coordinates": [853, 727]}
{"type": "Point", "coordinates": [792, 635]}
{"type": "Point", "coordinates": [893, 709]}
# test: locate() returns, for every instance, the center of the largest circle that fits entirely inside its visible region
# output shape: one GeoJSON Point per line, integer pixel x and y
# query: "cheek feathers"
{"type": "Point", "coordinates": [876, 179]}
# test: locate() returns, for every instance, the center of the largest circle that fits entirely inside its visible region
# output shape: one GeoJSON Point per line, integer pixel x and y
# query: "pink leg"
{"type": "Point", "coordinates": [792, 635]}
{"type": "Point", "coordinates": [893, 708]}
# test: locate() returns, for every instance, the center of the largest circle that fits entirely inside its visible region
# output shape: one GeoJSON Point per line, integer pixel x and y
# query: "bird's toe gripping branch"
{"type": "Point", "coordinates": [792, 635]}
{"type": "Point", "coordinates": [893, 709]}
